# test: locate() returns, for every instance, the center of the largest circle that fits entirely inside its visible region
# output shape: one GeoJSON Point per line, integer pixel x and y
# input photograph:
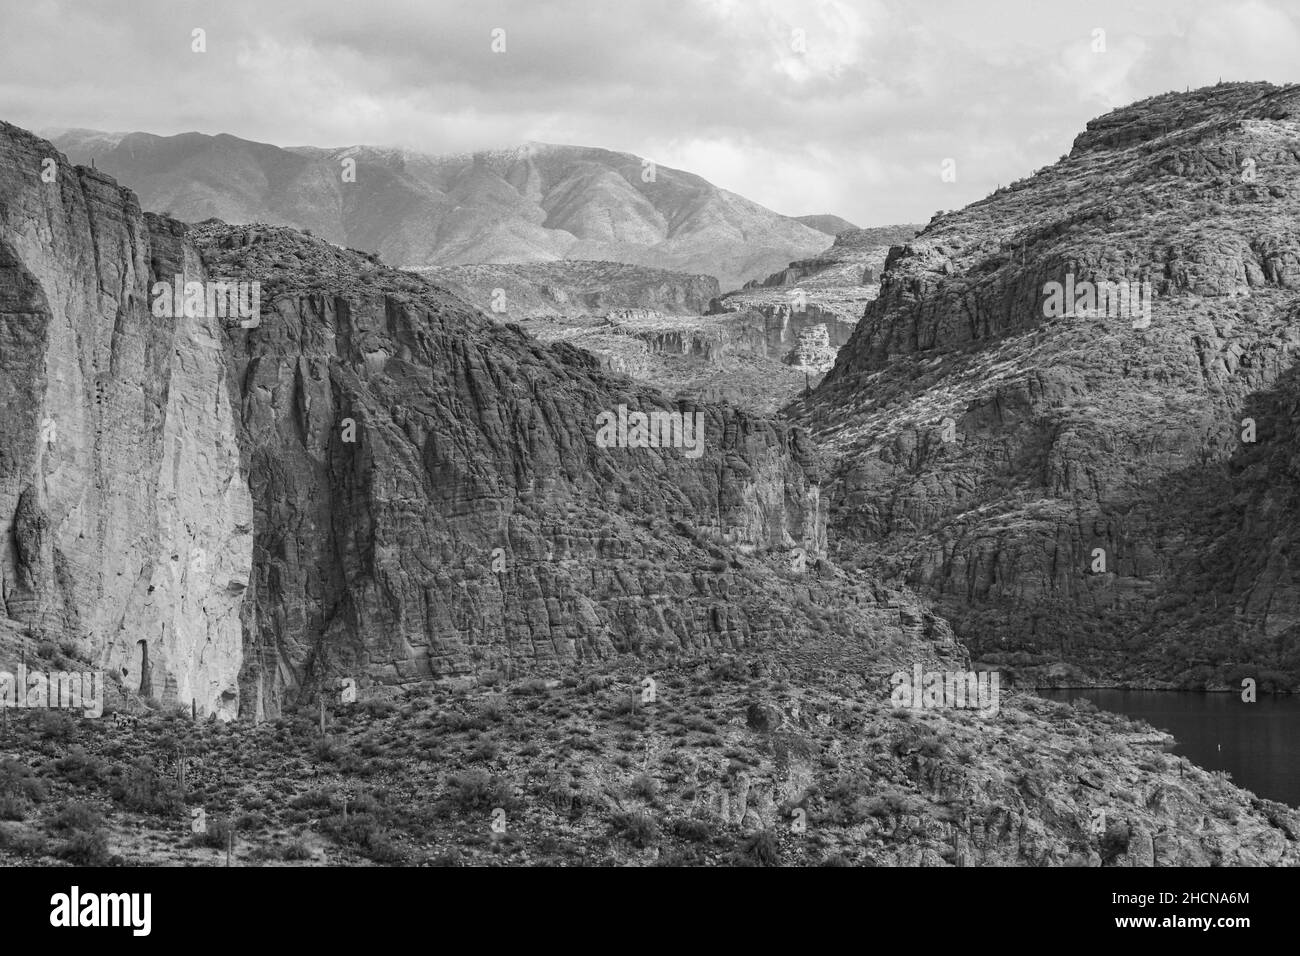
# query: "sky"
{"type": "Point", "coordinates": [805, 106]}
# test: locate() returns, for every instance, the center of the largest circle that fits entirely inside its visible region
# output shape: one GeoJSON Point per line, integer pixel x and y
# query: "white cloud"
{"type": "Point", "coordinates": [855, 125]}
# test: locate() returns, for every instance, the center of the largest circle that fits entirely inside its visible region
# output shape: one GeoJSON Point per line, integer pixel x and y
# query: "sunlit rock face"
{"type": "Point", "coordinates": [123, 515]}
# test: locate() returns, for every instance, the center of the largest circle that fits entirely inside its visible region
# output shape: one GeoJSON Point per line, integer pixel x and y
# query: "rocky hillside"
{"type": "Point", "coordinates": [375, 481]}
{"type": "Point", "coordinates": [538, 202]}
{"type": "Point", "coordinates": [567, 288]}
{"type": "Point", "coordinates": [734, 763]}
{"type": "Point", "coordinates": [1082, 495]}
{"type": "Point", "coordinates": [811, 307]}
{"type": "Point", "coordinates": [827, 223]}
{"type": "Point", "coordinates": [646, 323]}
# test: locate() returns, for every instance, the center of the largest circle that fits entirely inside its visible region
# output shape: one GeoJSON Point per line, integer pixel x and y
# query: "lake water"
{"type": "Point", "coordinates": [1259, 743]}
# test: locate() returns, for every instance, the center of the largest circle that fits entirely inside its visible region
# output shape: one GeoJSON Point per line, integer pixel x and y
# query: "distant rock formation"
{"type": "Point", "coordinates": [372, 480]}
{"type": "Point", "coordinates": [814, 351]}
{"type": "Point", "coordinates": [536, 202]}
{"type": "Point", "coordinates": [523, 291]}
{"type": "Point", "coordinates": [831, 225]}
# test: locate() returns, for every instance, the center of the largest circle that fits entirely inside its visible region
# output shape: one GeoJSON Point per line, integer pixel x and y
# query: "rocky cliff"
{"type": "Point", "coordinates": [126, 530]}
{"type": "Point", "coordinates": [373, 481]}
{"type": "Point", "coordinates": [540, 290]}
{"type": "Point", "coordinates": [1061, 485]}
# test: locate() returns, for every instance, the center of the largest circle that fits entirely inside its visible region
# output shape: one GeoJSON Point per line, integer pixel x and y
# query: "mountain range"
{"type": "Point", "coordinates": [536, 202]}
{"type": "Point", "coordinates": [641, 656]}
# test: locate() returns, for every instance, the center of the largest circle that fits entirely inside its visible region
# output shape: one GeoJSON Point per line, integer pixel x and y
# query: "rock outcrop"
{"type": "Point", "coordinates": [123, 516]}
{"type": "Point", "coordinates": [370, 481]}
{"type": "Point", "coordinates": [568, 288]}
{"type": "Point", "coordinates": [1060, 485]}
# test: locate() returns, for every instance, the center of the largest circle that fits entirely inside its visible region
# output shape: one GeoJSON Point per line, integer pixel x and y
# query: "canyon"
{"type": "Point", "coordinates": [386, 484]}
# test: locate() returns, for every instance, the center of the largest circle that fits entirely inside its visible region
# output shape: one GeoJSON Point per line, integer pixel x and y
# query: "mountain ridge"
{"type": "Point", "coordinates": [1055, 485]}
{"type": "Point", "coordinates": [536, 202]}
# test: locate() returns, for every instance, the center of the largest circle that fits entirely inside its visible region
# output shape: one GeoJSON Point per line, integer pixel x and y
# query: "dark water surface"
{"type": "Point", "coordinates": [1259, 743]}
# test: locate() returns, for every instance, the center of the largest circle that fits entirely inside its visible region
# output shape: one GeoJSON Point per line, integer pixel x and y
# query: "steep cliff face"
{"type": "Point", "coordinates": [125, 531]}
{"type": "Point", "coordinates": [472, 521]}
{"type": "Point", "coordinates": [374, 481]}
{"type": "Point", "coordinates": [1053, 482]}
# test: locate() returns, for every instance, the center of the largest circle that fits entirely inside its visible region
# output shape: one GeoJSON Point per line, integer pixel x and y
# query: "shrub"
{"type": "Point", "coordinates": [13, 807]}
{"type": "Point", "coordinates": [75, 815]}
{"type": "Point", "coordinates": [639, 829]}
{"type": "Point", "coordinates": [55, 725]}
{"type": "Point", "coordinates": [80, 768]}
{"type": "Point", "coordinates": [477, 790]}
{"type": "Point", "coordinates": [85, 848]}
{"type": "Point", "coordinates": [697, 831]}
{"type": "Point", "coordinates": [140, 787]}
{"type": "Point", "coordinates": [760, 849]}
{"type": "Point", "coordinates": [645, 786]}
{"type": "Point", "coordinates": [215, 836]}
{"type": "Point", "coordinates": [296, 849]}
{"type": "Point", "coordinates": [17, 778]}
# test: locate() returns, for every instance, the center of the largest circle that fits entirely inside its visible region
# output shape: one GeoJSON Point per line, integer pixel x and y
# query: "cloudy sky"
{"type": "Point", "coordinates": [807, 106]}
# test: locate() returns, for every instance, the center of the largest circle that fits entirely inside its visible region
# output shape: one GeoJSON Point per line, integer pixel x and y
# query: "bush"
{"type": "Point", "coordinates": [16, 778]}
{"type": "Point", "coordinates": [73, 816]}
{"type": "Point", "coordinates": [13, 807]}
{"type": "Point", "coordinates": [697, 831]}
{"type": "Point", "coordinates": [477, 790]}
{"type": "Point", "coordinates": [1115, 841]}
{"type": "Point", "coordinates": [85, 848]}
{"type": "Point", "coordinates": [316, 800]}
{"type": "Point", "coordinates": [645, 786]}
{"type": "Point", "coordinates": [138, 786]}
{"type": "Point", "coordinates": [21, 842]}
{"type": "Point", "coordinates": [639, 829]}
{"type": "Point", "coordinates": [296, 850]}
{"type": "Point", "coordinates": [55, 725]}
{"type": "Point", "coordinates": [216, 836]}
{"type": "Point", "coordinates": [760, 849]}
{"type": "Point", "coordinates": [79, 767]}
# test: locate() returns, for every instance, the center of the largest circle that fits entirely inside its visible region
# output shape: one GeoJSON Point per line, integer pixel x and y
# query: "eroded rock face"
{"type": "Point", "coordinates": [518, 292]}
{"type": "Point", "coordinates": [473, 522]}
{"type": "Point", "coordinates": [122, 515]}
{"type": "Point", "coordinates": [374, 481]}
{"type": "Point", "coordinates": [1057, 485]}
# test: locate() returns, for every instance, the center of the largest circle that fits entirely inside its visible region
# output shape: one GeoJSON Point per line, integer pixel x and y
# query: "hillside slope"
{"type": "Point", "coordinates": [1067, 489]}
{"type": "Point", "coordinates": [537, 202]}
{"type": "Point", "coordinates": [376, 483]}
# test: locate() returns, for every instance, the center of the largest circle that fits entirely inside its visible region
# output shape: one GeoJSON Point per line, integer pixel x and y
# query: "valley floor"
{"type": "Point", "coordinates": [729, 764]}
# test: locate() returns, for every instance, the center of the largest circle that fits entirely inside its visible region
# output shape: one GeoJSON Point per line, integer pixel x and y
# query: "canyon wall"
{"type": "Point", "coordinates": [122, 516]}
{"type": "Point", "coordinates": [1057, 484]}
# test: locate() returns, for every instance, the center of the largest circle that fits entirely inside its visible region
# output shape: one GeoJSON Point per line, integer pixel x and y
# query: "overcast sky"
{"type": "Point", "coordinates": [806, 106]}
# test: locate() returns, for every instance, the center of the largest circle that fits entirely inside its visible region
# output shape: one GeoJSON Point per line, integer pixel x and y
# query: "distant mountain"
{"type": "Point", "coordinates": [537, 202]}
{"type": "Point", "coordinates": [831, 225]}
